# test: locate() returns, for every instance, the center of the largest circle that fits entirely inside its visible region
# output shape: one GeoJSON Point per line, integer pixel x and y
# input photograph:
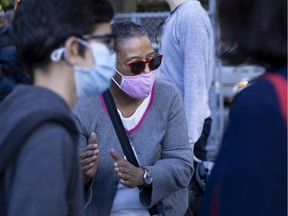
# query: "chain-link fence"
{"type": "Point", "coordinates": [150, 21]}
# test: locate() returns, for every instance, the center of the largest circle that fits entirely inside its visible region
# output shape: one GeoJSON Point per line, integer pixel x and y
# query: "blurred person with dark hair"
{"type": "Point", "coordinates": [67, 49]}
{"type": "Point", "coordinates": [10, 66]}
{"type": "Point", "coordinates": [153, 116]}
{"type": "Point", "coordinates": [250, 172]}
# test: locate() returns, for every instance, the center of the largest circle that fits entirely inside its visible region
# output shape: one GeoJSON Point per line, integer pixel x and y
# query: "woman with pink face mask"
{"type": "Point", "coordinates": [153, 116]}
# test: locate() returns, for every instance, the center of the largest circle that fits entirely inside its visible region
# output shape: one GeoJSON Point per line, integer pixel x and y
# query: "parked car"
{"type": "Point", "coordinates": [233, 78]}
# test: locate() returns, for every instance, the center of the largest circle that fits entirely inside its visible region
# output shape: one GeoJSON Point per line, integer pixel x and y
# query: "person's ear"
{"type": "Point", "coordinates": [72, 54]}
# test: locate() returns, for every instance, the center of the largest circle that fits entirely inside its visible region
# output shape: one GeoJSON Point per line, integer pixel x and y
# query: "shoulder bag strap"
{"type": "Point", "coordinates": [119, 128]}
{"type": "Point", "coordinates": [122, 136]}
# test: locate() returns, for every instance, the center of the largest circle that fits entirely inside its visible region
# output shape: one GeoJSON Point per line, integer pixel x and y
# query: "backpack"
{"type": "Point", "coordinates": [13, 143]}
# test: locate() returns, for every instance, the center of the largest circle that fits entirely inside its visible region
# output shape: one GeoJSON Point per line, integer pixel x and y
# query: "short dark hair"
{"type": "Point", "coordinates": [39, 27]}
{"type": "Point", "coordinates": [256, 28]}
{"type": "Point", "coordinates": [127, 29]}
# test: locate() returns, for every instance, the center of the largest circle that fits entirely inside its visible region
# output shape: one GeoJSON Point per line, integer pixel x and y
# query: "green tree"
{"type": "Point", "coordinates": [4, 3]}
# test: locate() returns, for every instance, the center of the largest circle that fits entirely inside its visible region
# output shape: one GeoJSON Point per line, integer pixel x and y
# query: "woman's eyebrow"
{"type": "Point", "coordinates": [140, 57]}
{"type": "Point", "coordinates": [150, 54]}
{"type": "Point", "coordinates": [134, 57]}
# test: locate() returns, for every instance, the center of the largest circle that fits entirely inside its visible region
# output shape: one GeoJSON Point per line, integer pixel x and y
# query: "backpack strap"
{"type": "Point", "coordinates": [14, 142]}
{"type": "Point", "coordinates": [279, 84]}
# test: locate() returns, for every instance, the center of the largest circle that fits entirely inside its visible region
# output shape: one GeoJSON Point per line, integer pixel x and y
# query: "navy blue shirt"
{"type": "Point", "coordinates": [250, 172]}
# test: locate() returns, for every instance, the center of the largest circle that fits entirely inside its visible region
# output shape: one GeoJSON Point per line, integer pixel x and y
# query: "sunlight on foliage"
{"type": "Point", "coordinates": [4, 3]}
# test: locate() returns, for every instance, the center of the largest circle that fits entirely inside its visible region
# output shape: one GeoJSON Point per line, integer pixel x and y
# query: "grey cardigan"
{"type": "Point", "coordinates": [161, 144]}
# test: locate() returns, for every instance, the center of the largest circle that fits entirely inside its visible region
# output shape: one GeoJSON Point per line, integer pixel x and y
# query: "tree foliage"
{"type": "Point", "coordinates": [4, 3]}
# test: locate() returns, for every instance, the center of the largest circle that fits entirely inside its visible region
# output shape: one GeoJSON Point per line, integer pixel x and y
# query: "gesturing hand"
{"type": "Point", "coordinates": [89, 159]}
{"type": "Point", "coordinates": [129, 175]}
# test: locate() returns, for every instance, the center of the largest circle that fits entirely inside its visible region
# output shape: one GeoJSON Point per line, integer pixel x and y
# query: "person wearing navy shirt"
{"type": "Point", "coordinates": [250, 172]}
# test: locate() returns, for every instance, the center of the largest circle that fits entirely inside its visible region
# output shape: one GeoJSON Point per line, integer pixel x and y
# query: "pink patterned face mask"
{"type": "Point", "coordinates": [138, 86]}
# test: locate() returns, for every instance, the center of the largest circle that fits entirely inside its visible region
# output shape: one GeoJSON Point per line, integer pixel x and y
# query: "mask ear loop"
{"type": "Point", "coordinates": [115, 80]}
{"type": "Point", "coordinates": [84, 43]}
{"type": "Point", "coordinates": [57, 54]}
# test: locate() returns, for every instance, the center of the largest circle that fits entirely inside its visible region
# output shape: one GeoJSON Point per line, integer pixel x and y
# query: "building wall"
{"type": "Point", "coordinates": [124, 6]}
{"type": "Point", "coordinates": [129, 6]}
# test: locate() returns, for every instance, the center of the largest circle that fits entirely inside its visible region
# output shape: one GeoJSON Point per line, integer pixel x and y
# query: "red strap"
{"type": "Point", "coordinates": [280, 85]}
{"type": "Point", "coordinates": [214, 210]}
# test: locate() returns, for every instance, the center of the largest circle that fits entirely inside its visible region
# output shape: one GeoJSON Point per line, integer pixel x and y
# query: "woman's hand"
{"type": "Point", "coordinates": [89, 159]}
{"type": "Point", "coordinates": [129, 175]}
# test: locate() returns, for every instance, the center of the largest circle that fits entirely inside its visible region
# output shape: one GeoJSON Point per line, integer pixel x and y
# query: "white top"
{"type": "Point", "coordinates": [126, 201]}
{"type": "Point", "coordinates": [130, 122]}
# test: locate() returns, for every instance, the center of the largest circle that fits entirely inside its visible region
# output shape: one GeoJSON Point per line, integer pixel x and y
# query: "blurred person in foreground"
{"type": "Point", "coordinates": [66, 48]}
{"type": "Point", "coordinates": [250, 172]}
{"type": "Point", "coordinates": [153, 116]}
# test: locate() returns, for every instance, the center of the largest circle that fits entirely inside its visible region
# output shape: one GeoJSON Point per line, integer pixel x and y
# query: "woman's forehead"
{"type": "Point", "coordinates": [138, 46]}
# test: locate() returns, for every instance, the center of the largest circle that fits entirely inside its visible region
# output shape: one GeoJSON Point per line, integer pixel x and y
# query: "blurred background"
{"type": "Point", "coordinates": [228, 79]}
